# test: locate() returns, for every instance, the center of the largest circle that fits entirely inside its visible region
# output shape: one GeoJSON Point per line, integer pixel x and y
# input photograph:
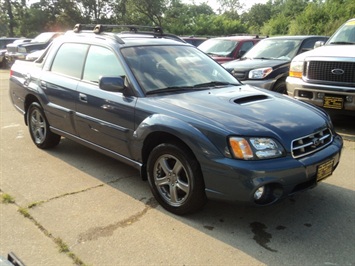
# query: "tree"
{"type": "Point", "coordinates": [153, 10]}
{"type": "Point", "coordinates": [229, 6]}
{"type": "Point", "coordinates": [276, 26]}
{"type": "Point", "coordinates": [257, 16]}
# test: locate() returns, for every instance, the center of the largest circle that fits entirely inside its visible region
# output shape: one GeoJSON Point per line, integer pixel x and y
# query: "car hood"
{"type": "Point", "coordinates": [26, 44]}
{"type": "Point", "coordinates": [222, 59]}
{"type": "Point", "coordinates": [330, 50]}
{"type": "Point", "coordinates": [247, 64]}
{"type": "Point", "coordinates": [246, 111]}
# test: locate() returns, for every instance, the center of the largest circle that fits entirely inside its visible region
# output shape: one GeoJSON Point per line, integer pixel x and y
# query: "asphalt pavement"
{"type": "Point", "coordinates": [73, 206]}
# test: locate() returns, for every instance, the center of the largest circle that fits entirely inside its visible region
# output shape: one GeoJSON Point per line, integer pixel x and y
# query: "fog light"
{"type": "Point", "coordinates": [320, 95]}
{"type": "Point", "coordinates": [259, 193]}
{"type": "Point", "coordinates": [349, 98]}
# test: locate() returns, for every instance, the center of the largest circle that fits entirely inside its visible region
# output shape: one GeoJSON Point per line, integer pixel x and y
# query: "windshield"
{"type": "Point", "coordinates": [43, 37]}
{"type": "Point", "coordinates": [175, 67]}
{"type": "Point", "coordinates": [344, 35]}
{"type": "Point", "coordinates": [218, 47]}
{"type": "Point", "coordinates": [274, 49]}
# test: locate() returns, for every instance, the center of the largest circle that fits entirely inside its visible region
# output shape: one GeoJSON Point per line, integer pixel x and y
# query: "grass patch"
{"type": "Point", "coordinates": [62, 246]}
{"type": "Point", "coordinates": [24, 212]}
{"type": "Point", "coordinates": [34, 204]}
{"type": "Point", "coordinates": [7, 199]}
{"type": "Point", "coordinates": [65, 249]}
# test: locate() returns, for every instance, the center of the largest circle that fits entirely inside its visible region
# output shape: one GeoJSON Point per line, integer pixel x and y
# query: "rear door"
{"type": "Point", "coordinates": [59, 82]}
{"type": "Point", "coordinates": [102, 117]}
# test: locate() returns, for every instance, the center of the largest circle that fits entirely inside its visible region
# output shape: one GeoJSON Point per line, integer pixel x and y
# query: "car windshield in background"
{"type": "Point", "coordinates": [174, 68]}
{"type": "Point", "coordinates": [218, 47]}
{"type": "Point", "coordinates": [274, 49]}
{"type": "Point", "coordinates": [43, 37]}
{"type": "Point", "coordinates": [345, 35]}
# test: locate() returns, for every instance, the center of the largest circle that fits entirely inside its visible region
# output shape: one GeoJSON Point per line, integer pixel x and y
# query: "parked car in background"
{"type": "Point", "coordinates": [34, 55]}
{"type": "Point", "coordinates": [3, 42]}
{"type": "Point", "coordinates": [169, 110]}
{"type": "Point", "coordinates": [326, 75]}
{"type": "Point", "coordinates": [267, 64]}
{"type": "Point", "coordinates": [19, 51]}
{"type": "Point", "coordinates": [196, 41]}
{"type": "Point", "coordinates": [224, 49]}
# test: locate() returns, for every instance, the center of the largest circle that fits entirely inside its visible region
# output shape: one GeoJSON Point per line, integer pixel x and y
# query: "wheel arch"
{"type": "Point", "coordinates": [160, 129]}
{"type": "Point", "coordinates": [276, 86]}
{"type": "Point", "coordinates": [156, 138]}
{"type": "Point", "coordinates": [30, 98]}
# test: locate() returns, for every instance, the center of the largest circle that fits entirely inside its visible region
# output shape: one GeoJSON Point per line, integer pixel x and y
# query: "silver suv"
{"type": "Point", "coordinates": [325, 75]}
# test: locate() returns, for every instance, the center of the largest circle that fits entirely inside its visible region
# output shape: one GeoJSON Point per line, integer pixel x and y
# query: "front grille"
{"type": "Point", "coordinates": [322, 71]}
{"type": "Point", "coordinates": [11, 49]}
{"type": "Point", "coordinates": [311, 143]}
{"type": "Point", "coordinates": [240, 75]}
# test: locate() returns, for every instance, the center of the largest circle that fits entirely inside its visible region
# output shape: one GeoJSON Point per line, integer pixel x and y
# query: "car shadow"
{"type": "Point", "coordinates": [309, 223]}
{"type": "Point", "coordinates": [345, 126]}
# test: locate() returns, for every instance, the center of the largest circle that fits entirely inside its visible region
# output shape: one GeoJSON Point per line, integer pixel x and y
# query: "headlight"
{"type": "Point", "coordinates": [260, 73]}
{"type": "Point", "coordinates": [255, 148]}
{"type": "Point", "coordinates": [296, 69]}
{"type": "Point", "coordinates": [22, 50]}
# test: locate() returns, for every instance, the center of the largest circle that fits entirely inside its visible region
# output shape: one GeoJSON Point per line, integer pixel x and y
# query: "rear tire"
{"type": "Point", "coordinates": [38, 126]}
{"type": "Point", "coordinates": [175, 179]}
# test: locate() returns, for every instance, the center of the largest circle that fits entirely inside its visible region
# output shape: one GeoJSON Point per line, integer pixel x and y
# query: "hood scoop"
{"type": "Point", "coordinates": [251, 99]}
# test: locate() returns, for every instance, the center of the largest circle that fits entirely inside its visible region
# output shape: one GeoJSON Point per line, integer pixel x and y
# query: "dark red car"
{"type": "Point", "coordinates": [224, 49]}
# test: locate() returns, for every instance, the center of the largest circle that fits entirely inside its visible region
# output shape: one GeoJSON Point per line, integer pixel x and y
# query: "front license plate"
{"type": "Point", "coordinates": [325, 169]}
{"type": "Point", "coordinates": [333, 102]}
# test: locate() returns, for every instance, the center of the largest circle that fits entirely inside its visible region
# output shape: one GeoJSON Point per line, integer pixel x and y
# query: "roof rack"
{"type": "Point", "coordinates": [155, 31]}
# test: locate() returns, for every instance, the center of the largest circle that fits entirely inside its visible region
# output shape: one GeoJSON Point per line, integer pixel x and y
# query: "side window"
{"type": "Point", "coordinates": [69, 59]}
{"type": "Point", "coordinates": [246, 46]}
{"type": "Point", "coordinates": [101, 62]}
{"type": "Point", "coordinates": [308, 44]}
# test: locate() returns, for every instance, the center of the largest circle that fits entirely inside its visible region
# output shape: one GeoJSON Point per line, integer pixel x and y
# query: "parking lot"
{"type": "Point", "coordinates": [73, 206]}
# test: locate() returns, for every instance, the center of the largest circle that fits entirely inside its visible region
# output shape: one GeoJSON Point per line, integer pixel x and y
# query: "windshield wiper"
{"type": "Point", "coordinates": [170, 89]}
{"type": "Point", "coordinates": [342, 43]}
{"type": "Point", "coordinates": [213, 54]}
{"type": "Point", "coordinates": [200, 86]}
{"type": "Point", "coordinates": [214, 84]}
{"type": "Point", "coordinates": [264, 58]}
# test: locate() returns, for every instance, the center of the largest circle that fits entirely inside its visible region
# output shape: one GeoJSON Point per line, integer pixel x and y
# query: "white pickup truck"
{"type": "Point", "coordinates": [326, 76]}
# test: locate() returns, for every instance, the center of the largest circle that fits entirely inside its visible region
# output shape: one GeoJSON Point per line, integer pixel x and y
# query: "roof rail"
{"type": "Point", "coordinates": [156, 31]}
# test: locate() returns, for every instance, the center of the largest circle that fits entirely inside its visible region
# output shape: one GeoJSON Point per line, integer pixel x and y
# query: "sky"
{"type": "Point", "coordinates": [247, 3]}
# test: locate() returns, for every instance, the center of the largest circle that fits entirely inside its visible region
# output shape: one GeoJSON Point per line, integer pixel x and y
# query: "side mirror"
{"type": "Point", "coordinates": [114, 84]}
{"type": "Point", "coordinates": [318, 44]}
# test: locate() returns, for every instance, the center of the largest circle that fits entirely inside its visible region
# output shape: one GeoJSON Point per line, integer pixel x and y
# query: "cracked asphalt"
{"type": "Point", "coordinates": [73, 206]}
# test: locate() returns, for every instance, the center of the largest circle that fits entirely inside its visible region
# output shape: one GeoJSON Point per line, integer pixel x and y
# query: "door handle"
{"type": "Point", "coordinates": [27, 79]}
{"type": "Point", "coordinates": [83, 98]}
{"type": "Point", "coordinates": [43, 84]}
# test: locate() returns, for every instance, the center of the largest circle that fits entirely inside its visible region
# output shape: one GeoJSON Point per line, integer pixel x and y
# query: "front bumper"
{"type": "Point", "coordinates": [316, 93]}
{"type": "Point", "coordinates": [267, 84]}
{"type": "Point", "coordinates": [12, 57]}
{"type": "Point", "coordinates": [236, 180]}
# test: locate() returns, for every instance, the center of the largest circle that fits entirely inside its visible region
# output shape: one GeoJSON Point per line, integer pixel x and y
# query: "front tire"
{"type": "Point", "coordinates": [175, 179]}
{"type": "Point", "coordinates": [280, 87]}
{"type": "Point", "coordinates": [39, 128]}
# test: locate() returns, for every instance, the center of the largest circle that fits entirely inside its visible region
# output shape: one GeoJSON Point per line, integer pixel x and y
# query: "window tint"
{"type": "Point", "coordinates": [69, 59]}
{"type": "Point", "coordinates": [101, 62]}
{"type": "Point", "coordinates": [246, 46]}
{"type": "Point", "coordinates": [309, 43]}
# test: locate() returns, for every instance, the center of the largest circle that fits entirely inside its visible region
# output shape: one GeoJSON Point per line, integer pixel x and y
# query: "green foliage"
{"type": "Point", "coordinates": [276, 26]}
{"type": "Point", "coordinates": [275, 17]}
{"type": "Point", "coordinates": [6, 198]}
